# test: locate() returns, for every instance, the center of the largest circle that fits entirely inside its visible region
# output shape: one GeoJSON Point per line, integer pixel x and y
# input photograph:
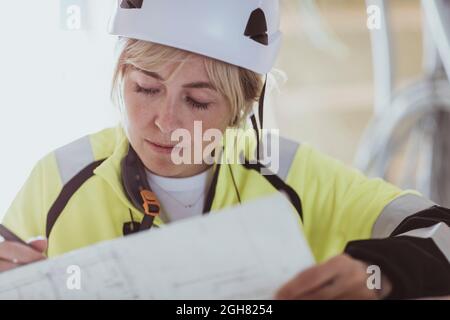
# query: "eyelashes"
{"type": "Point", "coordinates": [190, 101]}
{"type": "Point", "coordinates": [145, 91]}
{"type": "Point", "coordinates": [196, 104]}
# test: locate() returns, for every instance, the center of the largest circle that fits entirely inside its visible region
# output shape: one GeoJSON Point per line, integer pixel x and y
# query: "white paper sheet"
{"type": "Point", "coordinates": [244, 252]}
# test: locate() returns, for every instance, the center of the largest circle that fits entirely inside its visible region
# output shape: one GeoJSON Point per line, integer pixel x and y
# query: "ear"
{"type": "Point", "coordinates": [257, 27]}
{"type": "Point", "coordinates": [131, 4]}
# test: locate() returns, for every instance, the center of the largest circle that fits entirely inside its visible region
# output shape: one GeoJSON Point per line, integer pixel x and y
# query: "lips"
{"type": "Point", "coordinates": [159, 147]}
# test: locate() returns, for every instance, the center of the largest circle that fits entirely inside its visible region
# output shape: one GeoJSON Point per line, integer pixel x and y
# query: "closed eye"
{"type": "Point", "coordinates": [146, 91]}
{"type": "Point", "coordinates": [195, 104]}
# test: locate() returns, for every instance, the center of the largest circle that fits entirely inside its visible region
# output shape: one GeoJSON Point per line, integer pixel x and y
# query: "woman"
{"type": "Point", "coordinates": [203, 62]}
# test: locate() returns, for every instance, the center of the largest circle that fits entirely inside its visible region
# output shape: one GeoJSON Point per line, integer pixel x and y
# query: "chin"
{"type": "Point", "coordinates": [163, 167]}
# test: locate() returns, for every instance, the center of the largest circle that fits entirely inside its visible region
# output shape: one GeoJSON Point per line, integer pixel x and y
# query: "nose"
{"type": "Point", "coordinates": [167, 119]}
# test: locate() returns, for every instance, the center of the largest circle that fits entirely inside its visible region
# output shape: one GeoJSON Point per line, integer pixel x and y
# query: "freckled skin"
{"type": "Point", "coordinates": [168, 105]}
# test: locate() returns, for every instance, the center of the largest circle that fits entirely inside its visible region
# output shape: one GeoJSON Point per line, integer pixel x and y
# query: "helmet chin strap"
{"type": "Point", "coordinates": [261, 124]}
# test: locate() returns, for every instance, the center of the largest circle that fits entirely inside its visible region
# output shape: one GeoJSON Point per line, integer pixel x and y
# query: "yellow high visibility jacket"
{"type": "Point", "coordinates": [339, 203]}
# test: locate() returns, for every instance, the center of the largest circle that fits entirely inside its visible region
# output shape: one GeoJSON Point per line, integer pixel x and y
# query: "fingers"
{"type": "Point", "coordinates": [350, 285]}
{"type": "Point", "coordinates": [342, 277]}
{"type": "Point", "coordinates": [6, 265]}
{"type": "Point", "coordinates": [19, 253]}
{"type": "Point", "coordinates": [329, 291]}
{"type": "Point", "coordinates": [40, 244]}
{"type": "Point", "coordinates": [310, 280]}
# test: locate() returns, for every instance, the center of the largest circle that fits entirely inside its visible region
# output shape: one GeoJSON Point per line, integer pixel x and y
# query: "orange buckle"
{"type": "Point", "coordinates": [151, 204]}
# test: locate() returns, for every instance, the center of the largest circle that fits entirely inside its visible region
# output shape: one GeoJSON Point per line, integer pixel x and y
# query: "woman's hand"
{"type": "Point", "coordinates": [341, 277]}
{"type": "Point", "coordinates": [14, 254]}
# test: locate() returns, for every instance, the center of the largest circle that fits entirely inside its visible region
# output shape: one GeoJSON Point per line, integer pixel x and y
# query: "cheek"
{"type": "Point", "coordinates": [139, 114]}
{"type": "Point", "coordinates": [219, 117]}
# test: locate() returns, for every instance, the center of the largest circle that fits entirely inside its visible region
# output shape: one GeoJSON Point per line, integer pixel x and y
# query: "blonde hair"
{"type": "Point", "coordinates": [240, 87]}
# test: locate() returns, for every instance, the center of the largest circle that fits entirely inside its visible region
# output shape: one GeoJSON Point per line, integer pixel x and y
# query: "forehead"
{"type": "Point", "coordinates": [190, 68]}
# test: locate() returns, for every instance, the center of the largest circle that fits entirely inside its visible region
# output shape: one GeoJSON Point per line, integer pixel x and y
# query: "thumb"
{"type": "Point", "coordinates": [38, 243]}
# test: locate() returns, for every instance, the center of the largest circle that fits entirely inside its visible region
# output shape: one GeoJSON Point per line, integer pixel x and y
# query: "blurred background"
{"type": "Point", "coordinates": [56, 63]}
{"type": "Point", "coordinates": [329, 92]}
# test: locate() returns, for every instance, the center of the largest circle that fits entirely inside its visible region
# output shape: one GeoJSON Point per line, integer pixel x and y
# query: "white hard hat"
{"type": "Point", "coordinates": [240, 32]}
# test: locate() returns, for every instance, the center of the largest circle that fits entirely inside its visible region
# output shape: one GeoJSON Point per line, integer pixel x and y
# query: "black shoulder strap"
{"type": "Point", "coordinates": [132, 169]}
{"type": "Point", "coordinates": [134, 180]}
{"type": "Point", "coordinates": [67, 192]}
{"type": "Point", "coordinates": [278, 184]}
{"type": "Point", "coordinates": [76, 182]}
{"type": "Point", "coordinates": [212, 191]}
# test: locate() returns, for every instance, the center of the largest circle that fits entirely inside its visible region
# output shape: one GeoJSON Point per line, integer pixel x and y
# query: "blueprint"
{"type": "Point", "coordinates": [242, 252]}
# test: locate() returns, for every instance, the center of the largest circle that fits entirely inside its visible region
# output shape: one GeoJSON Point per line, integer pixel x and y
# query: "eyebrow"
{"type": "Point", "coordinates": [200, 85]}
{"type": "Point", "coordinates": [193, 85]}
{"type": "Point", "coordinates": [151, 74]}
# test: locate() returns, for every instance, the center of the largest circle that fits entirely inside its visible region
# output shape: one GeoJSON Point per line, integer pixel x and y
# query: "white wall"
{"type": "Point", "coordinates": [54, 83]}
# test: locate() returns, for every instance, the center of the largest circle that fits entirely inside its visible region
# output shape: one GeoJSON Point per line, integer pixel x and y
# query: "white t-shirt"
{"type": "Point", "coordinates": [180, 198]}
